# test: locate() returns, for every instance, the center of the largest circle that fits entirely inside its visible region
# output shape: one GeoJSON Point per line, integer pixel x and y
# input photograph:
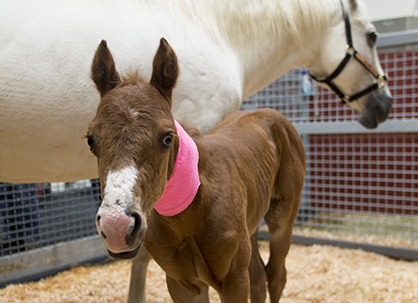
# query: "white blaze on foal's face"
{"type": "Point", "coordinates": [115, 221]}
{"type": "Point", "coordinates": [119, 187]}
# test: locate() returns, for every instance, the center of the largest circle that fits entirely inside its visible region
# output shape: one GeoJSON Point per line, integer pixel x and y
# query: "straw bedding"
{"type": "Point", "coordinates": [315, 274]}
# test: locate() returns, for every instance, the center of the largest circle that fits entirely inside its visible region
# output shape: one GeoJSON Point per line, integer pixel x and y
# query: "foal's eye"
{"type": "Point", "coordinates": [167, 140]}
{"type": "Point", "coordinates": [90, 142]}
{"type": "Point", "coordinates": [371, 37]}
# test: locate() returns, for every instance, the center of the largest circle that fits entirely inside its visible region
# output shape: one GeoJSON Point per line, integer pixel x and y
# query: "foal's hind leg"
{"type": "Point", "coordinates": [258, 277]}
{"type": "Point", "coordinates": [279, 219]}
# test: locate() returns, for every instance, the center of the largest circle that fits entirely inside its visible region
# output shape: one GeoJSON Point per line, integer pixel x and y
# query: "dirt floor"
{"type": "Point", "coordinates": [315, 274]}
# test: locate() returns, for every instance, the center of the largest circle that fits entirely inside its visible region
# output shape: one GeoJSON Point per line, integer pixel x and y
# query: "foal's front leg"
{"type": "Point", "coordinates": [138, 277]}
{"type": "Point", "coordinates": [236, 287]}
{"type": "Point", "coordinates": [186, 292]}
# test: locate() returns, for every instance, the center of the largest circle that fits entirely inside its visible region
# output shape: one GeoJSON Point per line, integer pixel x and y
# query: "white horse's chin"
{"type": "Point", "coordinates": [368, 122]}
{"type": "Point", "coordinates": [376, 111]}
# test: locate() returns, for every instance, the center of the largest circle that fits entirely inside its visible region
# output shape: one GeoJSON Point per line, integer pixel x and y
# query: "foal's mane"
{"type": "Point", "coordinates": [191, 130]}
{"type": "Point", "coordinates": [131, 77]}
{"type": "Point", "coordinates": [273, 18]}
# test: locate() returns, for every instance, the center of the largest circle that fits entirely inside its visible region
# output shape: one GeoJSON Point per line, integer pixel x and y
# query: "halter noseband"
{"type": "Point", "coordinates": [379, 79]}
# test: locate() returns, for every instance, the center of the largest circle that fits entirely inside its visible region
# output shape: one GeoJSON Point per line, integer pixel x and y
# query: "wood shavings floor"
{"type": "Point", "coordinates": [315, 274]}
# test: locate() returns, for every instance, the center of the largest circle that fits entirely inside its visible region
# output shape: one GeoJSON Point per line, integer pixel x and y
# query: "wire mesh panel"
{"type": "Point", "coordinates": [363, 184]}
{"type": "Point", "coordinates": [38, 215]}
{"type": "Point", "coordinates": [323, 106]}
{"type": "Point", "coordinates": [285, 95]}
{"type": "Point", "coordinates": [356, 184]}
{"type": "Point", "coordinates": [402, 70]}
{"type": "Point", "coordinates": [19, 210]}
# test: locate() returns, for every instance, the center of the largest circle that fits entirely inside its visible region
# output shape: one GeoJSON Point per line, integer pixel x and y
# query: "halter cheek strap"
{"type": "Point", "coordinates": [184, 182]}
{"type": "Point", "coordinates": [379, 81]}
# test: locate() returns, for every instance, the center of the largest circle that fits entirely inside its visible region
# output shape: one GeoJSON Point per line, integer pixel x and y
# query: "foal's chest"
{"type": "Point", "coordinates": [189, 260]}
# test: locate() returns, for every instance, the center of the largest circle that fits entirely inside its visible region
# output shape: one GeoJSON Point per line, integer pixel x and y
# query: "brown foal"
{"type": "Point", "coordinates": [221, 185]}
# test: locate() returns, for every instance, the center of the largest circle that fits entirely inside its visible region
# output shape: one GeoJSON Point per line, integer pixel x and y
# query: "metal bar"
{"type": "Point", "coordinates": [397, 38]}
{"type": "Point", "coordinates": [391, 126]}
{"type": "Point", "coordinates": [398, 253]}
{"type": "Point", "coordinates": [50, 260]}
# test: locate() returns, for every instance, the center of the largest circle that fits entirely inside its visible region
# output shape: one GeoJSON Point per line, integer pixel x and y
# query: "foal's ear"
{"type": "Point", "coordinates": [165, 69]}
{"type": "Point", "coordinates": [103, 70]}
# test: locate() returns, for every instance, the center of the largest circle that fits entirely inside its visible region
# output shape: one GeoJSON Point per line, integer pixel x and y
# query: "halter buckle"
{"type": "Point", "coordinates": [381, 80]}
{"type": "Point", "coordinates": [346, 99]}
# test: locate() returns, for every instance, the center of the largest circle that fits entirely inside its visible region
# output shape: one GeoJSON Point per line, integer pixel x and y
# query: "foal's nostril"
{"type": "Point", "coordinates": [137, 224]}
{"type": "Point", "coordinates": [134, 228]}
{"type": "Point", "coordinates": [102, 234]}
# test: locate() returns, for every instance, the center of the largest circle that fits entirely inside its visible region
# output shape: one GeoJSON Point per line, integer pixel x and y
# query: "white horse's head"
{"type": "Point", "coordinates": [347, 62]}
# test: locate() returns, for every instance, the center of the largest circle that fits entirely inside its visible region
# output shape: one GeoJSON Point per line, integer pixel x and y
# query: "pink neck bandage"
{"type": "Point", "coordinates": [184, 182]}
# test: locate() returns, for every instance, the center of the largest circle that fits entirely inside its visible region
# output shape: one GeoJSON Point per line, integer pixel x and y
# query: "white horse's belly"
{"type": "Point", "coordinates": [47, 98]}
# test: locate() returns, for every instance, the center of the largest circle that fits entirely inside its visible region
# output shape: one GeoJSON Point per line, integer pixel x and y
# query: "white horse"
{"type": "Point", "coordinates": [47, 98]}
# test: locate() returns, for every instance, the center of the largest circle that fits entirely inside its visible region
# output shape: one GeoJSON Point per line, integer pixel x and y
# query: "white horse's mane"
{"type": "Point", "coordinates": [235, 19]}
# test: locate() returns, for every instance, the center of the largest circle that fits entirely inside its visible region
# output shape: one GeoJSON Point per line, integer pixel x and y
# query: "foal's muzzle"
{"type": "Point", "coordinates": [121, 231]}
{"type": "Point", "coordinates": [125, 255]}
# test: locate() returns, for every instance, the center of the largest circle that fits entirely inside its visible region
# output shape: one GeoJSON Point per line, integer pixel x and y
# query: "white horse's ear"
{"type": "Point", "coordinates": [103, 70]}
{"type": "Point", "coordinates": [353, 5]}
{"type": "Point", "coordinates": [165, 70]}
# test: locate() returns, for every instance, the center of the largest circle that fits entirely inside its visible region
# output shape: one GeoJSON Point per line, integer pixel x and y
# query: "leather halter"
{"type": "Point", "coordinates": [379, 79]}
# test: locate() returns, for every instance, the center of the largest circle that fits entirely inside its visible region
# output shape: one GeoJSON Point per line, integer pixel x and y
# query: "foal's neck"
{"type": "Point", "coordinates": [184, 181]}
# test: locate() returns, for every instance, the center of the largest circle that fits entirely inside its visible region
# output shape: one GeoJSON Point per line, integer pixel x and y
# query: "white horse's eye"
{"type": "Point", "coordinates": [371, 38]}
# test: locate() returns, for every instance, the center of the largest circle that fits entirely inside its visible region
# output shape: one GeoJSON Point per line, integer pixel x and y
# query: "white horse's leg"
{"type": "Point", "coordinates": [138, 276]}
